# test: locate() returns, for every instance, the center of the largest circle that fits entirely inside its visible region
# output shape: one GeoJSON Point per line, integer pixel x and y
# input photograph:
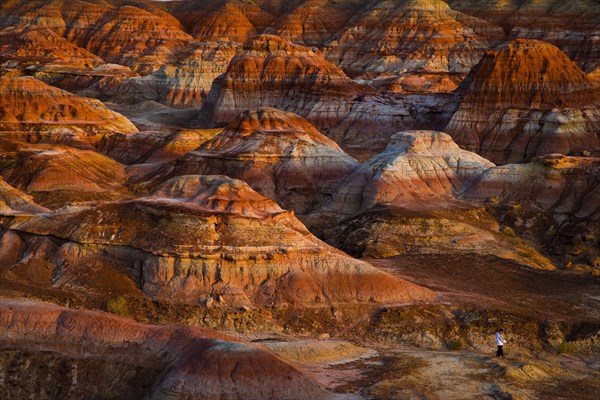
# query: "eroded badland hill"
{"type": "Point", "coordinates": [306, 199]}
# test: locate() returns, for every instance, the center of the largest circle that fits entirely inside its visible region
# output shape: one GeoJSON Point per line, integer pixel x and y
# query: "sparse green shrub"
{"type": "Point", "coordinates": [118, 305]}
{"type": "Point", "coordinates": [515, 205]}
{"type": "Point", "coordinates": [508, 231]}
{"type": "Point", "coordinates": [456, 344]}
{"type": "Point", "coordinates": [527, 251]}
{"type": "Point", "coordinates": [493, 199]}
{"type": "Point", "coordinates": [567, 347]}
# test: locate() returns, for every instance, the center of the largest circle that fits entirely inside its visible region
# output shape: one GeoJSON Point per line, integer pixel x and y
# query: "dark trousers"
{"type": "Point", "coordinates": [500, 352]}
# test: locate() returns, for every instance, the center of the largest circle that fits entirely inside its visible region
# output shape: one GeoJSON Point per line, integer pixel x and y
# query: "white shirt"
{"type": "Point", "coordinates": [499, 339]}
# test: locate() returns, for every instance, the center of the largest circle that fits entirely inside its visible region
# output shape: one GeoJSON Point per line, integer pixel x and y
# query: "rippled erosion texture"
{"type": "Point", "coordinates": [301, 199]}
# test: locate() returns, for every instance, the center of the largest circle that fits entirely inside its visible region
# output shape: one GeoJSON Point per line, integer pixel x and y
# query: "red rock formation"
{"type": "Point", "coordinates": [234, 20]}
{"type": "Point", "coordinates": [220, 27]}
{"type": "Point", "coordinates": [527, 98]}
{"type": "Point", "coordinates": [178, 68]}
{"type": "Point", "coordinates": [104, 82]}
{"type": "Point", "coordinates": [38, 112]}
{"type": "Point", "coordinates": [12, 200]}
{"type": "Point", "coordinates": [75, 36]}
{"type": "Point", "coordinates": [279, 154]}
{"type": "Point", "coordinates": [21, 47]}
{"type": "Point", "coordinates": [214, 192]}
{"type": "Point", "coordinates": [314, 22]}
{"type": "Point", "coordinates": [405, 200]}
{"type": "Point", "coordinates": [140, 36]}
{"type": "Point", "coordinates": [184, 83]}
{"type": "Point", "coordinates": [408, 36]}
{"type": "Point", "coordinates": [150, 147]}
{"type": "Point", "coordinates": [273, 72]}
{"type": "Point", "coordinates": [154, 362]}
{"type": "Point", "coordinates": [269, 67]}
{"type": "Point", "coordinates": [132, 36]}
{"type": "Point", "coordinates": [55, 175]}
{"type": "Point", "coordinates": [595, 75]}
{"type": "Point", "coordinates": [554, 200]}
{"type": "Point", "coordinates": [570, 25]}
{"type": "Point", "coordinates": [211, 238]}
{"type": "Point", "coordinates": [416, 168]}
{"type": "Point", "coordinates": [421, 83]}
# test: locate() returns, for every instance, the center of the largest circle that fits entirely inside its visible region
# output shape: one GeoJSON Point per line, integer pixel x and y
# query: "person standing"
{"type": "Point", "coordinates": [500, 341]}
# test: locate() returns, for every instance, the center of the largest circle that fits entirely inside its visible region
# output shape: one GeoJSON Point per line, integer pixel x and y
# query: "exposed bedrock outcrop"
{"type": "Point", "coordinates": [409, 36]}
{"type": "Point", "coordinates": [267, 69]}
{"type": "Point", "coordinates": [315, 22]}
{"type": "Point", "coordinates": [199, 238]}
{"type": "Point", "coordinates": [405, 200]}
{"type": "Point", "coordinates": [12, 199]}
{"type": "Point", "coordinates": [103, 82]}
{"type": "Point", "coordinates": [93, 354]}
{"type": "Point", "coordinates": [218, 29]}
{"type": "Point", "coordinates": [416, 166]}
{"type": "Point", "coordinates": [280, 154]}
{"type": "Point", "coordinates": [525, 99]}
{"type": "Point", "coordinates": [573, 25]}
{"type": "Point", "coordinates": [36, 112]}
{"type": "Point", "coordinates": [68, 41]}
{"type": "Point", "coordinates": [554, 200]}
{"type": "Point", "coordinates": [55, 175]}
{"type": "Point", "coordinates": [21, 47]}
{"type": "Point", "coordinates": [271, 71]}
{"type": "Point", "coordinates": [154, 146]}
{"type": "Point", "coordinates": [141, 36]}
{"type": "Point", "coordinates": [184, 83]}
{"type": "Point", "coordinates": [231, 19]}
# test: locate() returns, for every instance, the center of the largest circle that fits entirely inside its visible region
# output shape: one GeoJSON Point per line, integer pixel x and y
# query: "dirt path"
{"type": "Point", "coordinates": [391, 373]}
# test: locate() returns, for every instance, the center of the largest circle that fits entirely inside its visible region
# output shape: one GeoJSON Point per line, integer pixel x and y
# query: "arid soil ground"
{"type": "Point", "coordinates": [492, 282]}
{"type": "Point", "coordinates": [406, 373]}
{"type": "Point", "coordinates": [362, 369]}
